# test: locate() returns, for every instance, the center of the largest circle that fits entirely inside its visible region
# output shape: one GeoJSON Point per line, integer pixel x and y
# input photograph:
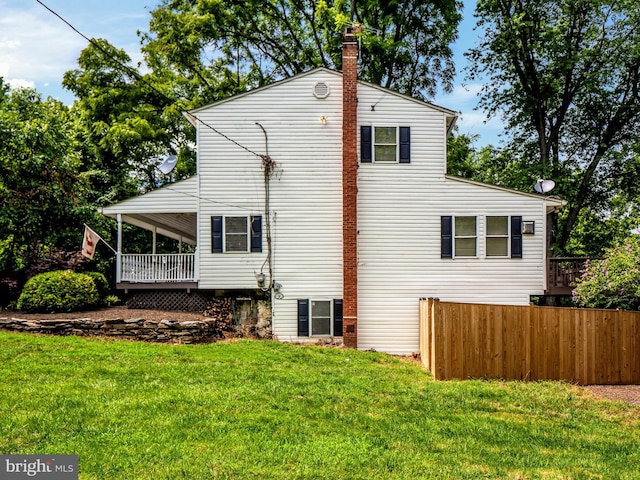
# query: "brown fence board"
{"type": "Point", "coordinates": [587, 346]}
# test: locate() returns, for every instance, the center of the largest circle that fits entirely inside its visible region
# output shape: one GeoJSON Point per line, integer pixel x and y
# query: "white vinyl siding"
{"type": "Point", "coordinates": [399, 211]}
{"type": "Point", "coordinates": [399, 223]}
{"type": "Point", "coordinates": [305, 191]}
{"type": "Point", "coordinates": [178, 197]}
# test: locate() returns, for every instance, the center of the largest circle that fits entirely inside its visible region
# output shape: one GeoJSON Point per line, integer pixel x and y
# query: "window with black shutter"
{"type": "Point", "coordinates": [384, 144]}
{"type": "Point", "coordinates": [516, 237]}
{"type": "Point", "coordinates": [303, 318]}
{"type": "Point", "coordinates": [320, 318]}
{"type": "Point", "coordinates": [232, 234]}
{"type": "Point", "coordinates": [446, 237]}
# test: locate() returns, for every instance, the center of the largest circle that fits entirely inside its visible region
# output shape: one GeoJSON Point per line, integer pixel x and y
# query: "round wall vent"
{"type": "Point", "coordinates": [321, 90]}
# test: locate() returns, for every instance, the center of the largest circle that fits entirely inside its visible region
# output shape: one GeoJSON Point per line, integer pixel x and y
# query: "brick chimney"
{"type": "Point", "coordinates": [350, 188]}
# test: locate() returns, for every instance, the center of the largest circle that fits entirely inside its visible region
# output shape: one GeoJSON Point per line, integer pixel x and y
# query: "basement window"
{"type": "Point", "coordinates": [320, 318]}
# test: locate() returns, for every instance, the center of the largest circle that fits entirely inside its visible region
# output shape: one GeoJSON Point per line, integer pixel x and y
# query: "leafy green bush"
{"type": "Point", "coordinates": [102, 286]}
{"type": "Point", "coordinates": [614, 281]}
{"type": "Point", "coordinates": [111, 300]}
{"type": "Point", "coordinates": [58, 291]}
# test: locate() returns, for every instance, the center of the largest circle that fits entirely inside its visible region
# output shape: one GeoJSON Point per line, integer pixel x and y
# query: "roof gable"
{"type": "Point", "coordinates": [451, 115]}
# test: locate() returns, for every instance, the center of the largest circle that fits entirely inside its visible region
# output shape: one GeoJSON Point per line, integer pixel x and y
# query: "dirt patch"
{"type": "Point", "coordinates": [623, 393]}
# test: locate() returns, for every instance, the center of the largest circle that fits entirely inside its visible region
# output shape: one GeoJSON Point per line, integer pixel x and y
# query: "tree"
{"type": "Point", "coordinates": [125, 123]}
{"type": "Point", "coordinates": [614, 281]}
{"type": "Point", "coordinates": [565, 75]}
{"type": "Point", "coordinates": [42, 185]}
{"type": "Point", "coordinates": [488, 164]}
{"type": "Point", "coordinates": [210, 50]}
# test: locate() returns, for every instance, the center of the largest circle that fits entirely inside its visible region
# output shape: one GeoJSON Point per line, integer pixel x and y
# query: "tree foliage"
{"type": "Point", "coordinates": [565, 75]}
{"type": "Point", "coordinates": [211, 49]}
{"type": "Point", "coordinates": [42, 187]}
{"type": "Point", "coordinates": [595, 228]}
{"type": "Point", "coordinates": [614, 281]}
{"type": "Point", "coordinates": [126, 123]}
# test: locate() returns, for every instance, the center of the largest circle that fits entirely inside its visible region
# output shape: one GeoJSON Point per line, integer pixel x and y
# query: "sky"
{"type": "Point", "coordinates": [36, 48]}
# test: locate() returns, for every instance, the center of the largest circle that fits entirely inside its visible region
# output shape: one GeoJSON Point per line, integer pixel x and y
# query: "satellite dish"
{"type": "Point", "coordinates": [168, 164]}
{"type": "Point", "coordinates": [544, 186]}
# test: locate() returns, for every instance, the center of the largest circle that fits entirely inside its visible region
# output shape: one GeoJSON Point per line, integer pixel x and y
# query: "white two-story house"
{"type": "Point", "coordinates": [332, 195]}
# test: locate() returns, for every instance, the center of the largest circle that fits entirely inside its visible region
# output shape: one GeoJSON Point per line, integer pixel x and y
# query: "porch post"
{"type": "Point", "coordinates": [153, 246]}
{"type": "Point", "coordinates": [119, 248]}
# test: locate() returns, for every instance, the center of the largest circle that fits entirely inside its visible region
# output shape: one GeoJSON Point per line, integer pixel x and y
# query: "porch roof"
{"type": "Point", "coordinates": [170, 210]}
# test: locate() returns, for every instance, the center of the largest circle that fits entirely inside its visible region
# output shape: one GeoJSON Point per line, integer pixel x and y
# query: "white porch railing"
{"type": "Point", "coordinates": [159, 268]}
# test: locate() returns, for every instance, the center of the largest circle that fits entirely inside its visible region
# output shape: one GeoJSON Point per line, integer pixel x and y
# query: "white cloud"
{"type": "Point", "coordinates": [34, 47]}
{"type": "Point", "coordinates": [37, 48]}
{"type": "Point", "coordinates": [21, 83]}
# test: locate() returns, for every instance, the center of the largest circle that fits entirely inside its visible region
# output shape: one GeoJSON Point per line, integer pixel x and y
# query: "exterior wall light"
{"type": "Point", "coordinates": [323, 119]}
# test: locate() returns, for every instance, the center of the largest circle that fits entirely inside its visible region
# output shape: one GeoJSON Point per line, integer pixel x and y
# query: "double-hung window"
{"type": "Point", "coordinates": [385, 144]}
{"type": "Point", "coordinates": [236, 234]}
{"type": "Point", "coordinates": [465, 239]}
{"type": "Point", "coordinates": [497, 236]}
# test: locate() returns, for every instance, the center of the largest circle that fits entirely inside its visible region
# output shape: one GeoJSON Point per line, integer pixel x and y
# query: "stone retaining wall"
{"type": "Point", "coordinates": [166, 331]}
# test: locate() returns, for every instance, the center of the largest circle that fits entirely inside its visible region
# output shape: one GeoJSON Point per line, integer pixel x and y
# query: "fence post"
{"type": "Point", "coordinates": [424, 354]}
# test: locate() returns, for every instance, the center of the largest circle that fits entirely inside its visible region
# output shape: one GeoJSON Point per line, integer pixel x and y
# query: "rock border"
{"type": "Point", "coordinates": [162, 331]}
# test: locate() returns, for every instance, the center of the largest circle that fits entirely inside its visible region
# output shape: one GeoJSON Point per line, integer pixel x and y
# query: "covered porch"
{"type": "Point", "coordinates": [170, 211]}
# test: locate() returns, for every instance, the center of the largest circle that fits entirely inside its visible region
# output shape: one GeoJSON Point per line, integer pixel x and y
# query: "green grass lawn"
{"type": "Point", "coordinates": [260, 410]}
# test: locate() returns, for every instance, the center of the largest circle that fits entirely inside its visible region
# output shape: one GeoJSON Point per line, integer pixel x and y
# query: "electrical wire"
{"type": "Point", "coordinates": [268, 164]}
{"type": "Point", "coordinates": [134, 73]}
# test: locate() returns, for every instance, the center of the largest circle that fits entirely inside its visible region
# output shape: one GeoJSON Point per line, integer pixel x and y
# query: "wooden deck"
{"type": "Point", "coordinates": [562, 273]}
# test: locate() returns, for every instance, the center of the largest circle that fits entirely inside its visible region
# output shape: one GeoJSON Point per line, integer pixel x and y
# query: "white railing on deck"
{"type": "Point", "coordinates": [175, 267]}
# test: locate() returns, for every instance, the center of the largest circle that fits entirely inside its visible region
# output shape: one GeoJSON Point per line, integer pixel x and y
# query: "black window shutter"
{"type": "Point", "coordinates": [405, 145]}
{"type": "Point", "coordinates": [446, 237]}
{"type": "Point", "coordinates": [256, 234]}
{"type": "Point", "coordinates": [337, 317]}
{"type": "Point", "coordinates": [365, 144]}
{"type": "Point", "coordinates": [303, 318]}
{"type": "Point", "coordinates": [216, 234]}
{"type": "Point", "coordinates": [516, 237]}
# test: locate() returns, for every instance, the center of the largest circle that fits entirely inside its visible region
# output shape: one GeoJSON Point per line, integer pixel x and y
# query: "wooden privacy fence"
{"type": "Point", "coordinates": [586, 346]}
